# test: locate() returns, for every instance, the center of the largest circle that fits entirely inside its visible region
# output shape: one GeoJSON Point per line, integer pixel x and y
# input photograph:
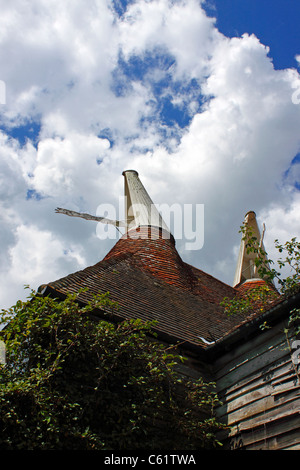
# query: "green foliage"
{"type": "Point", "coordinates": [71, 382]}
{"type": "Point", "coordinates": [291, 250]}
{"type": "Point", "coordinates": [294, 320]}
{"type": "Point", "coordinates": [257, 298]}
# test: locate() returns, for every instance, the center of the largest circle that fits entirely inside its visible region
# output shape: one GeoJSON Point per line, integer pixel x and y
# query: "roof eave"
{"type": "Point", "coordinates": [273, 316]}
{"type": "Point", "coordinates": [209, 352]}
{"type": "Point", "coordinates": [115, 318]}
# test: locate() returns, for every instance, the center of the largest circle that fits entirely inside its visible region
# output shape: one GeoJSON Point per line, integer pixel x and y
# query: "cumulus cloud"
{"type": "Point", "coordinates": [34, 249]}
{"type": "Point", "coordinates": [181, 28]}
{"type": "Point", "coordinates": [66, 165]}
{"type": "Point", "coordinates": [204, 119]}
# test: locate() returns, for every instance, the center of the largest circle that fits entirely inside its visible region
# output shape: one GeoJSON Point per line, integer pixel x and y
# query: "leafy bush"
{"type": "Point", "coordinates": [75, 382]}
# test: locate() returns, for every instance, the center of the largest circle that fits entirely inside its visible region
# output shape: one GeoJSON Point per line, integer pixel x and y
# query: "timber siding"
{"type": "Point", "coordinates": [259, 386]}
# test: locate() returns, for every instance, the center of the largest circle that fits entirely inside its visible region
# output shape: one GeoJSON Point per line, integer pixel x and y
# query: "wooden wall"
{"type": "Point", "coordinates": [259, 386]}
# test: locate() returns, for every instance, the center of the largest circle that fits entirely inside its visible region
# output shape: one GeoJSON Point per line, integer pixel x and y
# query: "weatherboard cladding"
{"type": "Point", "coordinates": [149, 280]}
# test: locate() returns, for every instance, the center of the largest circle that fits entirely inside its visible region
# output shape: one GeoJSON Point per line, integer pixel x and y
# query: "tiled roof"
{"type": "Point", "coordinates": [250, 284]}
{"type": "Point", "coordinates": [148, 279]}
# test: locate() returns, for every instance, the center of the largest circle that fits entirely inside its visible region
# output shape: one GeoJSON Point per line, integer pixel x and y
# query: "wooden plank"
{"type": "Point", "coordinates": [268, 337]}
{"type": "Point", "coordinates": [284, 384]}
{"type": "Point", "coordinates": [289, 408]}
{"type": "Point", "coordinates": [265, 406]}
{"type": "Point", "coordinates": [239, 376]}
{"type": "Point", "coordinates": [261, 434]}
{"type": "Point", "coordinates": [258, 412]}
{"type": "Point", "coordinates": [262, 379]}
{"type": "Point", "coordinates": [258, 362]}
{"type": "Point", "coordinates": [243, 400]}
{"type": "Point", "coordinates": [275, 378]}
{"type": "Point", "coordinates": [260, 391]}
{"type": "Point", "coordinates": [246, 347]}
{"type": "Point", "coordinates": [285, 388]}
{"type": "Point", "coordinates": [238, 438]}
{"type": "Point", "coordinates": [286, 439]}
{"type": "Point", "coordinates": [292, 447]}
{"type": "Point", "coordinates": [283, 378]}
{"type": "Point", "coordinates": [257, 346]}
{"type": "Point", "coordinates": [282, 442]}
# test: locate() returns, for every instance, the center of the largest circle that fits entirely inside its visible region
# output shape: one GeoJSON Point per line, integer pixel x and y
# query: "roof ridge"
{"type": "Point", "coordinates": [211, 276]}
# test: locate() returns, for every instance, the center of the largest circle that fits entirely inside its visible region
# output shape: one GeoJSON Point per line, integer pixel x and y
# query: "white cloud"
{"type": "Point", "coordinates": [182, 28]}
{"type": "Point", "coordinates": [60, 63]}
{"type": "Point", "coordinates": [282, 221]}
{"type": "Point", "coordinates": [36, 254]}
{"type": "Point", "coordinates": [64, 166]}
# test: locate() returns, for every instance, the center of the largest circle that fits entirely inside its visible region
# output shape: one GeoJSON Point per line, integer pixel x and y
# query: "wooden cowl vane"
{"type": "Point", "coordinates": [139, 207]}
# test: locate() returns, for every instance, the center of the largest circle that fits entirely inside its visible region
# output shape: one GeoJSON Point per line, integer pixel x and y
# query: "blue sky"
{"type": "Point", "coordinates": [201, 98]}
{"type": "Point", "coordinates": [274, 22]}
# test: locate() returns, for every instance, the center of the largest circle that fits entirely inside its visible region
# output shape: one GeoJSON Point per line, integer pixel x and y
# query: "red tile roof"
{"type": "Point", "coordinates": [148, 279]}
{"type": "Point", "coordinates": [250, 284]}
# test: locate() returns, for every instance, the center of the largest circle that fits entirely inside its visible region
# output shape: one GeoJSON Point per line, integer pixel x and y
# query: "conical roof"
{"type": "Point", "coordinates": [148, 279]}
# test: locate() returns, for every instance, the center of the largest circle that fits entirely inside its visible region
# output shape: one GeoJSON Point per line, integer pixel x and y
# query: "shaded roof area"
{"type": "Point", "coordinates": [148, 279]}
